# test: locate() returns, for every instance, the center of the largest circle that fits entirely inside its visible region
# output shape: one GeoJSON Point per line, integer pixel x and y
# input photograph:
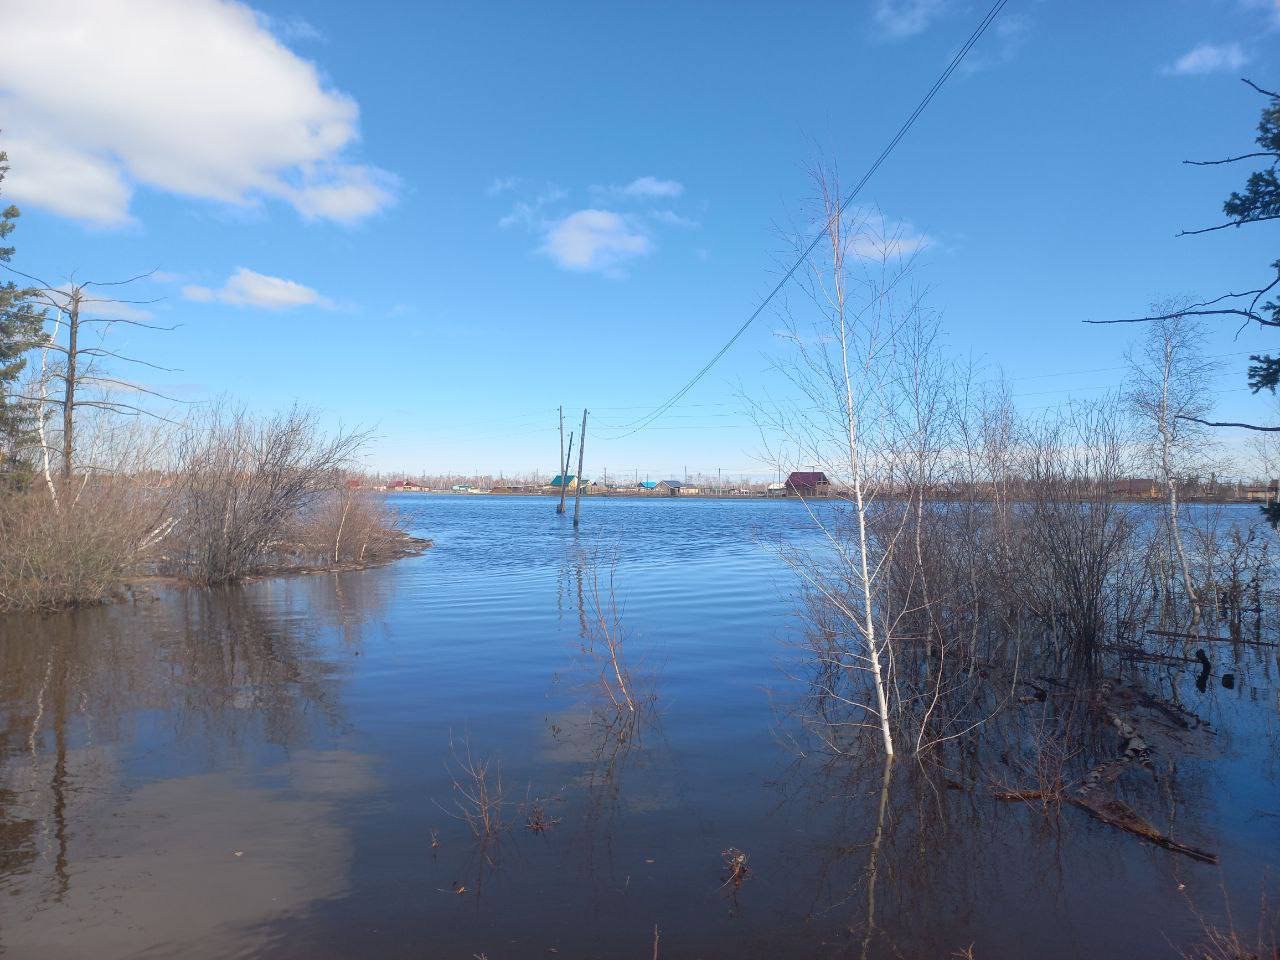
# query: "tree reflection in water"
{"type": "Point", "coordinates": [123, 731]}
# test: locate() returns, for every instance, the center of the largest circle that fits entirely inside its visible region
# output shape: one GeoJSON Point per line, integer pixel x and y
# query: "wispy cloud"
{"type": "Point", "coordinates": [501, 185]}
{"type": "Point", "coordinates": [644, 188]}
{"type": "Point", "coordinates": [906, 18]}
{"type": "Point", "coordinates": [249, 288]}
{"type": "Point", "coordinates": [879, 237]}
{"type": "Point", "coordinates": [164, 111]}
{"type": "Point", "coordinates": [1001, 44]}
{"type": "Point", "coordinates": [595, 241]}
{"type": "Point", "coordinates": [673, 219]}
{"type": "Point", "coordinates": [1269, 7]}
{"type": "Point", "coordinates": [1209, 58]}
{"type": "Point", "coordinates": [619, 228]}
{"type": "Point", "coordinates": [530, 213]}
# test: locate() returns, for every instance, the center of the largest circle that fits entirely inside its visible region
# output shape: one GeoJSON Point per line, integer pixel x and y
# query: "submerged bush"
{"type": "Point", "coordinates": [348, 526]}
{"type": "Point", "coordinates": [243, 483]}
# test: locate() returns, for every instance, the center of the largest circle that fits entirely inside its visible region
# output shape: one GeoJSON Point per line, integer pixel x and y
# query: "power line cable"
{"type": "Point", "coordinates": [955, 62]}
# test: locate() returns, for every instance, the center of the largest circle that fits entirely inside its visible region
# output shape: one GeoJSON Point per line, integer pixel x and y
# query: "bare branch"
{"type": "Point", "coordinates": [1230, 423]}
{"type": "Point", "coordinates": [1243, 156]}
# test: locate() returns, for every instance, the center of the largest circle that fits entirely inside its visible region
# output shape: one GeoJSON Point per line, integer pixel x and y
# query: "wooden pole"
{"type": "Point", "coordinates": [564, 474]}
{"type": "Point", "coordinates": [560, 465]}
{"type": "Point", "coordinates": [582, 446]}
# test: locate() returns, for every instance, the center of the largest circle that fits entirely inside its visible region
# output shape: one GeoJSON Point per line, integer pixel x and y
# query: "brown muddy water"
{"type": "Point", "coordinates": [266, 772]}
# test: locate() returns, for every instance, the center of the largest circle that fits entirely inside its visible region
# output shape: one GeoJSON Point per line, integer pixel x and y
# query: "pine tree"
{"type": "Point", "coordinates": [1260, 200]}
{"type": "Point", "coordinates": [21, 325]}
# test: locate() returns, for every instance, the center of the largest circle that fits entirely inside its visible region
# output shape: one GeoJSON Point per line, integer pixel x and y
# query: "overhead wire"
{"type": "Point", "coordinates": [979, 30]}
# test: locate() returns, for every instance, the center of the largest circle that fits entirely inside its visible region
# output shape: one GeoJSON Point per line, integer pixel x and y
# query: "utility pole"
{"type": "Point", "coordinates": [564, 474]}
{"type": "Point", "coordinates": [582, 446]}
{"type": "Point", "coordinates": [560, 464]}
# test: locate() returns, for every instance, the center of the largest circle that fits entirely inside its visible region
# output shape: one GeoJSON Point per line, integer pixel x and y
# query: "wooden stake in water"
{"type": "Point", "coordinates": [560, 463]}
{"type": "Point", "coordinates": [582, 446]}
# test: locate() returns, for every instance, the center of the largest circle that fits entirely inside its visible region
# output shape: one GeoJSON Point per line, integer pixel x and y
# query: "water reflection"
{"type": "Point", "coordinates": [171, 778]}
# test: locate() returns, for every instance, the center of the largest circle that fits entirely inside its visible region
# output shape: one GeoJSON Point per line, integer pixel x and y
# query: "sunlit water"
{"type": "Point", "coordinates": [267, 772]}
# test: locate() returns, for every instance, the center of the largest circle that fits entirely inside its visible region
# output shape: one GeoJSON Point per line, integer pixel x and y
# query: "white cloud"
{"type": "Point", "coordinates": [653, 187]}
{"type": "Point", "coordinates": [594, 240]}
{"type": "Point", "coordinates": [528, 213]}
{"type": "Point", "coordinates": [646, 187]}
{"type": "Point", "coordinates": [196, 98]}
{"type": "Point", "coordinates": [673, 219]}
{"type": "Point", "coordinates": [1209, 58]}
{"type": "Point", "coordinates": [876, 237]}
{"type": "Point", "coordinates": [251, 289]}
{"type": "Point", "coordinates": [906, 18]}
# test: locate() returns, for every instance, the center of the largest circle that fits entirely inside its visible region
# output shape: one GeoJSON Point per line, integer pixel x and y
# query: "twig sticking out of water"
{"type": "Point", "coordinates": [735, 862]}
{"type": "Point", "coordinates": [477, 787]}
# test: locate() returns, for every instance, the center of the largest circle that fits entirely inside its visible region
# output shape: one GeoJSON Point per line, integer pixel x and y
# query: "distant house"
{"type": "Point", "coordinates": [569, 483]}
{"type": "Point", "coordinates": [404, 486]}
{"type": "Point", "coordinates": [648, 484]}
{"type": "Point", "coordinates": [1267, 494]}
{"type": "Point", "coordinates": [808, 483]}
{"type": "Point", "coordinates": [670, 487]}
{"type": "Point", "coordinates": [776, 490]}
{"type": "Point", "coordinates": [1140, 488]}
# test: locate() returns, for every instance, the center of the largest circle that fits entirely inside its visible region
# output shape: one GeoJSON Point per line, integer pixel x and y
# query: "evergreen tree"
{"type": "Point", "coordinates": [21, 325]}
{"type": "Point", "coordinates": [1260, 200]}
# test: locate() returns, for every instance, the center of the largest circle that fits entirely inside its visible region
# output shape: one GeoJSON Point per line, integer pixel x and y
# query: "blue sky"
{"type": "Point", "coordinates": [443, 220]}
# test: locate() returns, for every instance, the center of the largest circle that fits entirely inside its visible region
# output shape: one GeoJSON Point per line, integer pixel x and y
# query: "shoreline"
{"type": "Point", "coordinates": [144, 588]}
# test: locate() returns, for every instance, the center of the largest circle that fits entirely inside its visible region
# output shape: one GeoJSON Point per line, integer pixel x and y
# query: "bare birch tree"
{"type": "Point", "coordinates": [852, 425]}
{"type": "Point", "coordinates": [1169, 394]}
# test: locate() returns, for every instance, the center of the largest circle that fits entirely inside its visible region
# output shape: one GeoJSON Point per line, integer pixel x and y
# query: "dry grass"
{"type": "Point", "coordinates": [80, 550]}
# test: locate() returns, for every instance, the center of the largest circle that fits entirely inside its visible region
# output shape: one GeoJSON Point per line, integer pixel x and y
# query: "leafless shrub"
{"type": "Point", "coordinates": [1226, 941]}
{"type": "Point", "coordinates": [79, 554]}
{"type": "Point", "coordinates": [73, 541]}
{"type": "Point", "coordinates": [243, 481]}
{"type": "Point", "coordinates": [348, 526]}
{"type": "Point", "coordinates": [478, 796]}
{"type": "Point", "coordinates": [1076, 547]}
{"type": "Point", "coordinates": [604, 636]}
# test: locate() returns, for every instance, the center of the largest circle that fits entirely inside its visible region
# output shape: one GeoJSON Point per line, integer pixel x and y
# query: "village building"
{"type": "Point", "coordinates": [1143, 489]}
{"type": "Point", "coordinates": [808, 483]}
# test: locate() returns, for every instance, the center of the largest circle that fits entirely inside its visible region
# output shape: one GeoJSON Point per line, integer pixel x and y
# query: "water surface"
{"type": "Point", "coordinates": [267, 771]}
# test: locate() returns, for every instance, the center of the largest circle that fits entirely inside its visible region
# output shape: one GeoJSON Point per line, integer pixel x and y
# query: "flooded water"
{"type": "Point", "coordinates": [267, 771]}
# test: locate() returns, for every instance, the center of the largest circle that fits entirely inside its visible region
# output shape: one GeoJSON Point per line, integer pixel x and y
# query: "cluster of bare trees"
{"type": "Point", "coordinates": [242, 481]}
{"type": "Point", "coordinates": [970, 543]}
{"type": "Point", "coordinates": [219, 496]}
